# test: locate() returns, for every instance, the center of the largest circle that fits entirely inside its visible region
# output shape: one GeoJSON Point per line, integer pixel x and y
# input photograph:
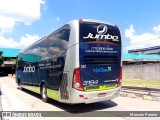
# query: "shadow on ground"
{"type": "Point", "coordinates": [3, 75]}
{"type": "Point", "coordinates": [76, 108]}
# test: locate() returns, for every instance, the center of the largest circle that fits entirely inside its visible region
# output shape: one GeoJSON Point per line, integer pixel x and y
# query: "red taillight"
{"type": "Point", "coordinates": [76, 81]}
{"type": "Point", "coordinates": [120, 77]}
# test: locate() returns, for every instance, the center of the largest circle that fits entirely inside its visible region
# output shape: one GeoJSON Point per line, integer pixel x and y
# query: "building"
{"type": "Point", "coordinates": [141, 66]}
{"type": "Point", "coordinates": [128, 58]}
{"type": "Point", "coordinates": [149, 50]}
{"type": "Point", "coordinates": [9, 60]}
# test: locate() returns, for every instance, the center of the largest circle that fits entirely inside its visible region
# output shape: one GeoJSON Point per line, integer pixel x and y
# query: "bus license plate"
{"type": "Point", "coordinates": [102, 94]}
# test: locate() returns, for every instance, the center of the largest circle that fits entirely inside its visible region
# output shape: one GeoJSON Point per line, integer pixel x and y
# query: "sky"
{"type": "Point", "coordinates": [23, 22]}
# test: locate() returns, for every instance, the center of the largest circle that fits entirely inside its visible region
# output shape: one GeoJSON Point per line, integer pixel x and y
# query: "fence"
{"type": "Point", "coordinates": [149, 71]}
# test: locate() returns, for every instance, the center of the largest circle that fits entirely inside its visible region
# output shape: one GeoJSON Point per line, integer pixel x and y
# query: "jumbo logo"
{"type": "Point", "coordinates": [101, 30]}
{"type": "Point", "coordinates": [29, 69]}
{"type": "Point", "coordinates": [99, 70]}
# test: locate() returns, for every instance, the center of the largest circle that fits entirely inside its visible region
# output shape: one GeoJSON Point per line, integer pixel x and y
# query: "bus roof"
{"type": "Point", "coordinates": [99, 21]}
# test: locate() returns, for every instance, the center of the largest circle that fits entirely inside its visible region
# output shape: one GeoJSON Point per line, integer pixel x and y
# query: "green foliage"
{"type": "Point", "coordinates": [1, 58]}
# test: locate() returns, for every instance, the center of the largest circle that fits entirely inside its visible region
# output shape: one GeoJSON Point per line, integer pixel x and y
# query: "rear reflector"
{"type": "Point", "coordinates": [86, 98]}
{"type": "Point", "coordinates": [81, 96]}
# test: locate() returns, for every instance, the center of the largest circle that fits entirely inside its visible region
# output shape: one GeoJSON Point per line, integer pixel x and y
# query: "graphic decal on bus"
{"type": "Point", "coordinates": [100, 55]}
{"type": "Point", "coordinates": [101, 50]}
{"type": "Point", "coordinates": [29, 69]}
{"type": "Point", "coordinates": [98, 70]}
{"type": "Point", "coordinates": [90, 82]}
{"type": "Point", "coordinates": [101, 29]}
{"type": "Point", "coordinates": [53, 66]}
{"type": "Point", "coordinates": [101, 66]}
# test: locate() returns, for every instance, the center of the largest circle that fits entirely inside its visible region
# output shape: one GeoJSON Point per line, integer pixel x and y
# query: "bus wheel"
{"type": "Point", "coordinates": [20, 85]}
{"type": "Point", "coordinates": [44, 93]}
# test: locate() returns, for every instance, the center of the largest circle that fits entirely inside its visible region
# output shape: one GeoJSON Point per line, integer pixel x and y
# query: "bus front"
{"type": "Point", "coordinates": [99, 75]}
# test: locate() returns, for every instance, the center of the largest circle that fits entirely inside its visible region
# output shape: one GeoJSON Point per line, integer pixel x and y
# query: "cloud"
{"type": "Point", "coordinates": [147, 39]}
{"type": "Point", "coordinates": [24, 41]}
{"type": "Point", "coordinates": [8, 42]}
{"type": "Point", "coordinates": [27, 40]}
{"type": "Point", "coordinates": [6, 24]}
{"type": "Point", "coordinates": [157, 29]}
{"type": "Point", "coordinates": [15, 11]}
{"type": "Point", "coordinates": [58, 19]}
{"type": "Point", "coordinates": [129, 32]}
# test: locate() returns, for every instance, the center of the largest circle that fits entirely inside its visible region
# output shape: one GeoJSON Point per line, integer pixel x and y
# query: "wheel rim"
{"type": "Point", "coordinates": [44, 92]}
{"type": "Point", "coordinates": [20, 86]}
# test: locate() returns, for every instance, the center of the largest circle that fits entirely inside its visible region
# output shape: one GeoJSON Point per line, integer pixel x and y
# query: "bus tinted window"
{"type": "Point", "coordinates": [98, 32]}
{"type": "Point", "coordinates": [52, 46]}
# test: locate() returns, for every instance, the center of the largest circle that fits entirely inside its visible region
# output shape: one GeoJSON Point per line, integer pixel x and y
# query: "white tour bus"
{"type": "Point", "coordinates": [78, 63]}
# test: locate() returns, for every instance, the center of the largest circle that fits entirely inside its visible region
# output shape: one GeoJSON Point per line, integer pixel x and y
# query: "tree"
{"type": "Point", "coordinates": [1, 53]}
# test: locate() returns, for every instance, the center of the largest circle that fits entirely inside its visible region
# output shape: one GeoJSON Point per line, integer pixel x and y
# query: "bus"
{"type": "Point", "coordinates": [78, 63]}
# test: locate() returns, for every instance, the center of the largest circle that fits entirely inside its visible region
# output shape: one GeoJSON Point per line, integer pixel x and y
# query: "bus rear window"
{"type": "Point", "coordinates": [99, 32]}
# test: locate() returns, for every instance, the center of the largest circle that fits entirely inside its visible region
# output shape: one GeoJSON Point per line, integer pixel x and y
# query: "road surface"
{"type": "Point", "coordinates": [13, 99]}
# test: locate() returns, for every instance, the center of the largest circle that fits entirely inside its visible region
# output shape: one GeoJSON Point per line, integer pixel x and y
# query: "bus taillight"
{"type": "Point", "coordinates": [76, 81]}
{"type": "Point", "coordinates": [120, 77]}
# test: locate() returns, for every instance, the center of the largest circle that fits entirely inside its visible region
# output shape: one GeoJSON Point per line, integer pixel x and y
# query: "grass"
{"type": "Point", "coordinates": [141, 83]}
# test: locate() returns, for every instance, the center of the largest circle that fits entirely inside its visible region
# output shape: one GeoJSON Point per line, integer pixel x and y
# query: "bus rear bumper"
{"type": "Point", "coordinates": [95, 96]}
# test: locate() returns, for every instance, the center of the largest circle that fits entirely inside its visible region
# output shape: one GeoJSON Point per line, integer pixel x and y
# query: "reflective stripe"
{"type": "Point", "coordinates": [101, 87]}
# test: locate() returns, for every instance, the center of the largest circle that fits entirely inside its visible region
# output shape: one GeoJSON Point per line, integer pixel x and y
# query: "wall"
{"type": "Point", "coordinates": [150, 71]}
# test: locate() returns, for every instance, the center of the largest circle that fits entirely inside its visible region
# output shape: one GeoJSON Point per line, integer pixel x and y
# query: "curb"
{"type": "Point", "coordinates": [144, 97]}
{"type": "Point", "coordinates": [0, 102]}
{"type": "Point", "coordinates": [152, 94]}
{"type": "Point", "coordinates": [141, 88]}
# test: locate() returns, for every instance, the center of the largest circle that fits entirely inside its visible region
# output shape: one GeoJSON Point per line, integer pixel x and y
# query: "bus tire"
{"type": "Point", "coordinates": [20, 85]}
{"type": "Point", "coordinates": [44, 93]}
